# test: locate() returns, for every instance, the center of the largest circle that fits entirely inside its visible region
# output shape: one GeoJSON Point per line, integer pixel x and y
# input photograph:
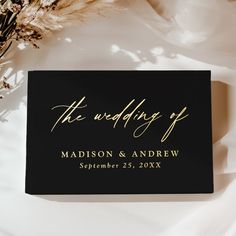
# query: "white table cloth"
{"type": "Point", "coordinates": [127, 39]}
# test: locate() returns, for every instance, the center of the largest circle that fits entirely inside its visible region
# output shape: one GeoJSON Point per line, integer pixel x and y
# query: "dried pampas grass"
{"type": "Point", "coordinates": [29, 21]}
{"type": "Point", "coordinates": [42, 17]}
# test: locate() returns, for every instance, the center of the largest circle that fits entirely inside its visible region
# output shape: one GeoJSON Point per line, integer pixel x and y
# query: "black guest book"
{"type": "Point", "coordinates": [119, 132]}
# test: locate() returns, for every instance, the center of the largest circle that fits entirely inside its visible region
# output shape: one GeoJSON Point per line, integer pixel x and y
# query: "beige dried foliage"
{"type": "Point", "coordinates": [40, 18]}
{"type": "Point", "coordinates": [29, 21]}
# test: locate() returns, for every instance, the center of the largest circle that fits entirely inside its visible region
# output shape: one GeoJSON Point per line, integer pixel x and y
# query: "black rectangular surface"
{"type": "Point", "coordinates": [119, 132]}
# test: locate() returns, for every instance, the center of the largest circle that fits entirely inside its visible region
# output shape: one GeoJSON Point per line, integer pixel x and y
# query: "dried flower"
{"type": "Point", "coordinates": [4, 85]}
{"type": "Point", "coordinates": [31, 20]}
{"type": "Point", "coordinates": [47, 3]}
{"type": "Point", "coordinates": [16, 8]}
{"type": "Point", "coordinates": [42, 17]}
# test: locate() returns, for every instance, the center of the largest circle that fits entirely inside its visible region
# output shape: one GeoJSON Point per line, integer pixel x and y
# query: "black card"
{"type": "Point", "coordinates": [119, 132]}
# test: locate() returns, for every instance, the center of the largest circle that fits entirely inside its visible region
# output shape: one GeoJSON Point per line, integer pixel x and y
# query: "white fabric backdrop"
{"type": "Point", "coordinates": [128, 39]}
